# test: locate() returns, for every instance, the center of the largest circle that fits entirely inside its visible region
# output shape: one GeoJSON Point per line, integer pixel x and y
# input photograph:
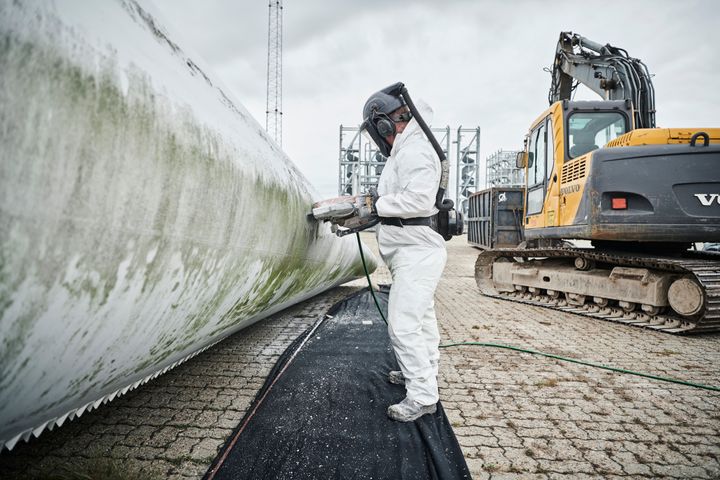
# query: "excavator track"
{"type": "Point", "coordinates": [703, 268]}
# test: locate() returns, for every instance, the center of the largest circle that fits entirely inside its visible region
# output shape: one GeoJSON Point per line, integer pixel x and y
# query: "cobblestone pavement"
{"type": "Point", "coordinates": [524, 416]}
{"type": "Point", "coordinates": [516, 415]}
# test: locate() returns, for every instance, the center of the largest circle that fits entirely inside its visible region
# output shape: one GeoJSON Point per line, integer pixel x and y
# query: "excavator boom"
{"type": "Point", "coordinates": [606, 70]}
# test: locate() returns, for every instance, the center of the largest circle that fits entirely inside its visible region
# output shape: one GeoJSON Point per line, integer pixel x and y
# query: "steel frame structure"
{"type": "Point", "coordinates": [360, 163]}
{"type": "Point", "coordinates": [273, 104]}
{"type": "Point", "coordinates": [500, 170]}
{"type": "Point", "coordinates": [467, 169]}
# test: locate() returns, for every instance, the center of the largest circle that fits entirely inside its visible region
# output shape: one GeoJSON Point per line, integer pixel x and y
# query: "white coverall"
{"type": "Point", "coordinates": [415, 255]}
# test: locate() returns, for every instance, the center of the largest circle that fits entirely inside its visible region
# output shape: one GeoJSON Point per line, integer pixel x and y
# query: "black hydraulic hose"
{"type": "Point", "coordinates": [534, 352]}
{"type": "Point", "coordinates": [423, 125]}
{"type": "Point", "coordinates": [442, 204]}
{"type": "Point", "coordinates": [367, 275]}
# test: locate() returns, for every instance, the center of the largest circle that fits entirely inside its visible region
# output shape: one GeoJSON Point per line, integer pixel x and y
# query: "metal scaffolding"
{"type": "Point", "coordinates": [361, 163]}
{"type": "Point", "coordinates": [351, 151]}
{"type": "Point", "coordinates": [500, 170]}
{"type": "Point", "coordinates": [467, 169]}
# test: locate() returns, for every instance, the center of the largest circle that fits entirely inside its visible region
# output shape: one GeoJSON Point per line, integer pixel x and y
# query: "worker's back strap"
{"type": "Point", "coordinates": [401, 222]}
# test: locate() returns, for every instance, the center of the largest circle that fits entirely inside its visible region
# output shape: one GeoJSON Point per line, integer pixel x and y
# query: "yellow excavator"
{"type": "Point", "coordinates": [644, 197]}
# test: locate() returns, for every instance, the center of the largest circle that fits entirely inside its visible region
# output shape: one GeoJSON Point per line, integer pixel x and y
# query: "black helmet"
{"type": "Point", "coordinates": [376, 115]}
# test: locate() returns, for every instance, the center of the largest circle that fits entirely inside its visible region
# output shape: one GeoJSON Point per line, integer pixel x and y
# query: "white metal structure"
{"type": "Point", "coordinates": [466, 168]}
{"type": "Point", "coordinates": [273, 105]}
{"type": "Point", "coordinates": [361, 163]}
{"type": "Point", "coordinates": [501, 170]}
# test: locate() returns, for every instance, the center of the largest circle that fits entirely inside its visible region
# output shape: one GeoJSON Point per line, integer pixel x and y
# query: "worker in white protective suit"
{"type": "Point", "coordinates": [412, 250]}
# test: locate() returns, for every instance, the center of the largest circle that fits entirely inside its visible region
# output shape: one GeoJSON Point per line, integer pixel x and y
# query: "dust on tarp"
{"type": "Point", "coordinates": [322, 411]}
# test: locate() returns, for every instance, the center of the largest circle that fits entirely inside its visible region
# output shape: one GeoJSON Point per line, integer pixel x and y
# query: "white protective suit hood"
{"type": "Point", "coordinates": [413, 126]}
{"type": "Point", "coordinates": [410, 180]}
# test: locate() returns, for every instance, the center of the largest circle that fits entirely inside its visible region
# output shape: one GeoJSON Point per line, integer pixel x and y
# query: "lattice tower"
{"type": "Point", "coordinates": [273, 106]}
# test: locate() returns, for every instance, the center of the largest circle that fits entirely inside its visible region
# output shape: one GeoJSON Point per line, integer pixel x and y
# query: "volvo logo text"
{"type": "Point", "coordinates": [707, 199]}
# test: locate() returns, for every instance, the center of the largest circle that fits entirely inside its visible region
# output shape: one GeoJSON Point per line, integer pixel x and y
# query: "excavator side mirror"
{"type": "Point", "coordinates": [521, 160]}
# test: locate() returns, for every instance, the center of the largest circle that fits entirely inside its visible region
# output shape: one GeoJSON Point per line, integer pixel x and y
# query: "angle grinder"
{"type": "Point", "coordinates": [348, 214]}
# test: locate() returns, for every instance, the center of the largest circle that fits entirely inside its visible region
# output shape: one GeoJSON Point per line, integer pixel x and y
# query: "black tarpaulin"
{"type": "Point", "coordinates": [321, 413]}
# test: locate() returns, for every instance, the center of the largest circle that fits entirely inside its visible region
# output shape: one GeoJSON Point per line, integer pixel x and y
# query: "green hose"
{"type": "Point", "coordinates": [581, 362]}
{"type": "Point", "coordinates": [533, 352]}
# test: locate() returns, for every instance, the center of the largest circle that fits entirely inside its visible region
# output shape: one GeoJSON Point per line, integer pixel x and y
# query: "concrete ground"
{"type": "Point", "coordinates": [516, 415]}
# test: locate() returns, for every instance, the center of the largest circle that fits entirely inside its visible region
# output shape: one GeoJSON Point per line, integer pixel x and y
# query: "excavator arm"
{"type": "Point", "coordinates": [608, 71]}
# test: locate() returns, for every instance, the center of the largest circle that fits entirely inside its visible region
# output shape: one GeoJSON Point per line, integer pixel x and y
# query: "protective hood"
{"type": "Point", "coordinates": [413, 127]}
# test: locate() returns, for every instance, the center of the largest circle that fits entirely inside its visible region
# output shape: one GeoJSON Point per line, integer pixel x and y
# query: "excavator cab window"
{"type": "Point", "coordinates": [588, 131]}
{"type": "Point", "coordinates": [550, 148]}
{"type": "Point", "coordinates": [537, 149]}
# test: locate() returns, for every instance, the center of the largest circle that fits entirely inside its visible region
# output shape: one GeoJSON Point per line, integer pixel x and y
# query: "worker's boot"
{"type": "Point", "coordinates": [409, 410]}
{"type": "Point", "coordinates": [396, 377]}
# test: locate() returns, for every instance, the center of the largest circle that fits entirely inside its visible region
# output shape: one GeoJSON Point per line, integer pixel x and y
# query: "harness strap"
{"type": "Point", "coordinates": [401, 222]}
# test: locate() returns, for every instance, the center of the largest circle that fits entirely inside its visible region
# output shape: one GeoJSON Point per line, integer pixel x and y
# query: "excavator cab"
{"type": "Point", "coordinates": [590, 176]}
{"type": "Point", "coordinates": [559, 141]}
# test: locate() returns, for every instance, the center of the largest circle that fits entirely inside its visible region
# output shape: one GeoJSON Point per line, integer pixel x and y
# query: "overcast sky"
{"type": "Point", "coordinates": [477, 63]}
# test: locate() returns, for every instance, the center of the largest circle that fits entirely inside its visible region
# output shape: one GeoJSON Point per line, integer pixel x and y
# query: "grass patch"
{"type": "Point", "coordinates": [491, 467]}
{"type": "Point", "coordinates": [548, 382]}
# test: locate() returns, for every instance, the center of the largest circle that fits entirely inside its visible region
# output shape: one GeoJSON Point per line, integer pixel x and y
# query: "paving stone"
{"type": "Point", "coordinates": [205, 450]}
{"type": "Point", "coordinates": [507, 437]}
{"type": "Point", "coordinates": [180, 448]}
{"type": "Point", "coordinates": [476, 465]}
{"type": "Point", "coordinates": [121, 452]}
{"type": "Point", "coordinates": [520, 460]}
{"type": "Point", "coordinates": [572, 476]}
{"type": "Point", "coordinates": [149, 453]}
{"type": "Point", "coordinates": [566, 466]}
{"type": "Point", "coordinates": [163, 437]}
{"type": "Point", "coordinates": [155, 469]}
{"type": "Point", "coordinates": [678, 471]}
{"type": "Point", "coordinates": [630, 465]}
{"type": "Point", "coordinates": [518, 476]}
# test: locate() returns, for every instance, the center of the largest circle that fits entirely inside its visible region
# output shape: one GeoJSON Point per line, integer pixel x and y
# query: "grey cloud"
{"type": "Point", "coordinates": [475, 62]}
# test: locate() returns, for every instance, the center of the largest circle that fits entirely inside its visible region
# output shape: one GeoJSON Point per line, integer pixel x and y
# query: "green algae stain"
{"type": "Point", "coordinates": [123, 175]}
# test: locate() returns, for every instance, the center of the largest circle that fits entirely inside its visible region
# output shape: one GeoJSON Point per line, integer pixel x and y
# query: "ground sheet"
{"type": "Point", "coordinates": [322, 412]}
